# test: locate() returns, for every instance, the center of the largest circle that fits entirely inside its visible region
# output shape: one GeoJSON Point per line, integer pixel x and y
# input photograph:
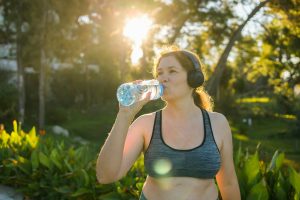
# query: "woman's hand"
{"type": "Point", "coordinates": [132, 110]}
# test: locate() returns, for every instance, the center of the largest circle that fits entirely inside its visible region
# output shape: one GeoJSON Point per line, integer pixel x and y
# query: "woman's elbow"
{"type": "Point", "coordinates": [105, 178]}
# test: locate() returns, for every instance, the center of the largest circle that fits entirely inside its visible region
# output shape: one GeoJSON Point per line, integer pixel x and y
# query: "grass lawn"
{"type": "Point", "coordinates": [90, 125]}
{"type": "Point", "coordinates": [272, 133]}
{"type": "Point", "coordinates": [95, 124]}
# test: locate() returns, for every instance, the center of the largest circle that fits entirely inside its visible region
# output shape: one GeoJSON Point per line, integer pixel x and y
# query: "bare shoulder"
{"type": "Point", "coordinates": [146, 123]}
{"type": "Point", "coordinates": [218, 118]}
{"type": "Point", "coordinates": [220, 126]}
{"type": "Point", "coordinates": [143, 121]}
{"type": "Point", "coordinates": [145, 118]}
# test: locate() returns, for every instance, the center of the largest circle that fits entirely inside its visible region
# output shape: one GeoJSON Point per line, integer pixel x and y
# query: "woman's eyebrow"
{"type": "Point", "coordinates": [168, 67]}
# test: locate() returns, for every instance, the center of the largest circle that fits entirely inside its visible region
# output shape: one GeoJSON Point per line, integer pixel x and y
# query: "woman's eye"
{"type": "Point", "coordinates": [172, 71]}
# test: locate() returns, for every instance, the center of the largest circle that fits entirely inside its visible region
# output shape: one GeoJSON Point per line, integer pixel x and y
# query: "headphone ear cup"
{"type": "Point", "coordinates": [195, 78]}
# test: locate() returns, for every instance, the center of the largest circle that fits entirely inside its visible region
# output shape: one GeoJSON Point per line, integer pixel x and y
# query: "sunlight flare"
{"type": "Point", "coordinates": [136, 29]}
{"type": "Point", "coordinates": [136, 54]}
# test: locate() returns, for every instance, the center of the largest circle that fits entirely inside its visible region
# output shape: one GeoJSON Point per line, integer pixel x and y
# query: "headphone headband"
{"type": "Point", "coordinates": [194, 60]}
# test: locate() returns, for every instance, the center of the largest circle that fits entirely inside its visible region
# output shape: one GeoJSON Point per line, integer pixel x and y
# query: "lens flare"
{"type": "Point", "coordinates": [136, 54]}
{"type": "Point", "coordinates": [136, 29]}
{"type": "Point", "coordinates": [162, 166]}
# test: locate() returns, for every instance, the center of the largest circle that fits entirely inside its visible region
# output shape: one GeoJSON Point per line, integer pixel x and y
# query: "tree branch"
{"type": "Point", "coordinates": [214, 81]}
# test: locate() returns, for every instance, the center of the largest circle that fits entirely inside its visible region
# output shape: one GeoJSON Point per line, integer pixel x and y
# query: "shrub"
{"type": "Point", "coordinates": [42, 167]}
{"type": "Point", "coordinates": [47, 167]}
{"type": "Point", "coordinates": [261, 180]}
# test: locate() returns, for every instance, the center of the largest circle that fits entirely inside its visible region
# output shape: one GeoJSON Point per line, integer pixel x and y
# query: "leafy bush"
{"type": "Point", "coordinates": [262, 180]}
{"type": "Point", "coordinates": [42, 167]}
{"type": "Point", "coordinates": [46, 167]}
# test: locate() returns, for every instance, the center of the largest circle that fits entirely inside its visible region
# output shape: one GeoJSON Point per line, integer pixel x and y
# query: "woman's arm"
{"type": "Point", "coordinates": [226, 177]}
{"type": "Point", "coordinates": [122, 146]}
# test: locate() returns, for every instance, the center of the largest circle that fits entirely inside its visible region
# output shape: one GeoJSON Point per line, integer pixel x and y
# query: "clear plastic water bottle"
{"type": "Point", "coordinates": [129, 93]}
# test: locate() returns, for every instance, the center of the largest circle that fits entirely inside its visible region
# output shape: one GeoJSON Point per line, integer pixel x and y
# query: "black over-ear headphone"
{"type": "Point", "coordinates": [195, 77]}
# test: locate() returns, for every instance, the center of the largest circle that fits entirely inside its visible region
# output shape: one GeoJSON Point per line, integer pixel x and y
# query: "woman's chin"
{"type": "Point", "coordinates": [166, 98]}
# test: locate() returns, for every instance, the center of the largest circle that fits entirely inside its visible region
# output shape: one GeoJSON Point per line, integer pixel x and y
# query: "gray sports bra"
{"type": "Point", "coordinates": [161, 160]}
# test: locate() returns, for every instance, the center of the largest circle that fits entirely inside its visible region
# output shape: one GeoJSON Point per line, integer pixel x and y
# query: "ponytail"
{"type": "Point", "coordinates": [202, 99]}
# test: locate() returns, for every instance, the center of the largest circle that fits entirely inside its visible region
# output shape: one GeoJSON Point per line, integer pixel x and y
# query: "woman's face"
{"type": "Point", "coordinates": [173, 77]}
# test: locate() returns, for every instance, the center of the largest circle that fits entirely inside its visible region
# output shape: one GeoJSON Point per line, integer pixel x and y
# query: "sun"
{"type": "Point", "coordinates": [136, 29]}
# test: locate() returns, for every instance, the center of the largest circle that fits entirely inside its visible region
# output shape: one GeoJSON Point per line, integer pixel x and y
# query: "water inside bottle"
{"type": "Point", "coordinates": [129, 93]}
{"type": "Point", "coordinates": [152, 86]}
{"type": "Point", "coordinates": [124, 94]}
{"type": "Point", "coordinates": [156, 92]}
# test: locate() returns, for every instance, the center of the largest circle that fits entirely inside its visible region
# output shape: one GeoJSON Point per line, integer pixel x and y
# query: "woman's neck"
{"type": "Point", "coordinates": [184, 108]}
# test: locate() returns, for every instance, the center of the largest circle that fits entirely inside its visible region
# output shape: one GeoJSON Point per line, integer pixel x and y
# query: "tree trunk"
{"type": "Point", "coordinates": [214, 81]}
{"type": "Point", "coordinates": [21, 86]}
{"type": "Point", "coordinates": [20, 72]}
{"type": "Point", "coordinates": [42, 90]}
{"type": "Point", "coordinates": [43, 65]}
{"type": "Point", "coordinates": [179, 25]}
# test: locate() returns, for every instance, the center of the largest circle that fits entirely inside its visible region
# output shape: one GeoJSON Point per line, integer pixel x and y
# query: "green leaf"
{"type": "Point", "coordinates": [276, 161]}
{"type": "Point", "coordinates": [280, 193]}
{"type": "Point", "coordinates": [86, 177]}
{"type": "Point", "coordinates": [238, 155]}
{"type": "Point", "coordinates": [259, 192]}
{"type": "Point", "coordinates": [68, 165]}
{"type": "Point", "coordinates": [294, 179]}
{"type": "Point", "coordinates": [80, 192]}
{"type": "Point", "coordinates": [34, 160]}
{"type": "Point", "coordinates": [139, 186]}
{"type": "Point", "coordinates": [110, 196]}
{"type": "Point", "coordinates": [24, 168]}
{"type": "Point", "coordinates": [279, 161]}
{"type": "Point", "coordinates": [251, 169]}
{"type": "Point", "coordinates": [54, 159]}
{"type": "Point", "coordinates": [24, 165]}
{"type": "Point", "coordinates": [63, 189]}
{"type": "Point", "coordinates": [44, 160]}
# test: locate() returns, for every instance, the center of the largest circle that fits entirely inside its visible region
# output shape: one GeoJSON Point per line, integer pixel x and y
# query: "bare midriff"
{"type": "Point", "coordinates": [183, 188]}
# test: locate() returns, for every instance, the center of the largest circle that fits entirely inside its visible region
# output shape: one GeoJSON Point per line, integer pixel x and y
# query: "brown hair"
{"type": "Point", "coordinates": [201, 98]}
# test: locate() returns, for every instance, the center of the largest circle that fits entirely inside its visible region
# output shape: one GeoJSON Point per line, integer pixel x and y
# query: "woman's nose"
{"type": "Point", "coordinates": [163, 78]}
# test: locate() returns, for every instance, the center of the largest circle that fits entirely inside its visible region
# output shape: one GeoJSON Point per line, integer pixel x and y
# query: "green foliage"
{"type": "Point", "coordinates": [130, 186]}
{"type": "Point", "coordinates": [259, 179]}
{"type": "Point", "coordinates": [45, 167]}
{"type": "Point", "coordinates": [264, 106]}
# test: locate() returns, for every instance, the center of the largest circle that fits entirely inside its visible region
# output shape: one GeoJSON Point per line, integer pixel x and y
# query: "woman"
{"type": "Point", "coordinates": [185, 145]}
